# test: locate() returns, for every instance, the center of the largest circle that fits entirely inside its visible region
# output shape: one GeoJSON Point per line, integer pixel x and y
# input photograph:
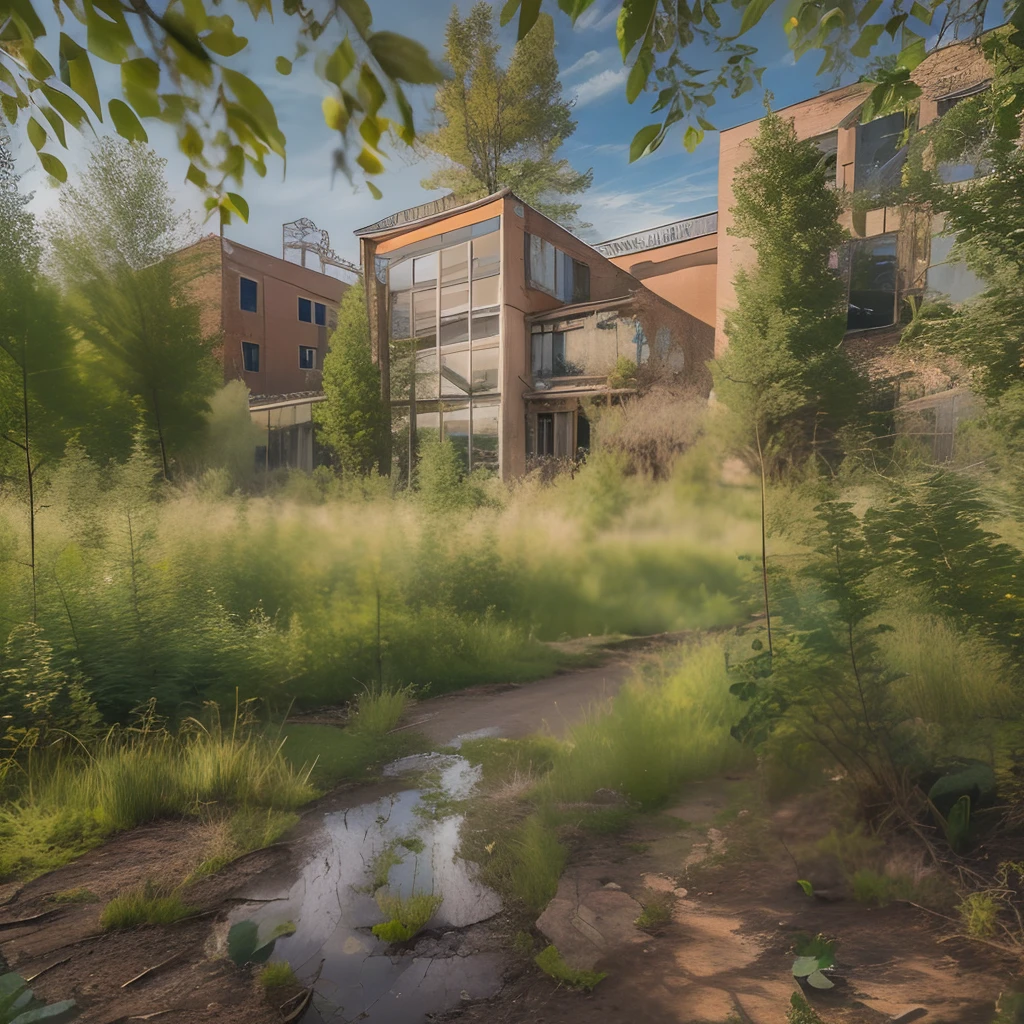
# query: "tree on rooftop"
{"type": "Point", "coordinates": [785, 376]}
{"type": "Point", "coordinates": [502, 127]}
{"type": "Point", "coordinates": [114, 244]}
{"type": "Point", "coordinates": [353, 421]}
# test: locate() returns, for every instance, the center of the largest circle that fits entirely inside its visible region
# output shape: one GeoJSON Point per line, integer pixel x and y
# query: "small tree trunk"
{"type": "Point", "coordinates": [31, 483]}
{"type": "Point", "coordinates": [764, 543]}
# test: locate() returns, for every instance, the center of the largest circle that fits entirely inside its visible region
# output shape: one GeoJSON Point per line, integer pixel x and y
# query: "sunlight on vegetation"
{"type": "Point", "coordinates": [550, 961]}
{"type": "Point", "coordinates": [144, 905]}
{"type": "Point", "coordinates": [278, 975]}
{"type": "Point", "coordinates": [407, 915]}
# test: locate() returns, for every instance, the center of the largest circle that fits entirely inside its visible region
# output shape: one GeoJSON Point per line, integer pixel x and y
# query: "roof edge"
{"type": "Point", "coordinates": [383, 229]}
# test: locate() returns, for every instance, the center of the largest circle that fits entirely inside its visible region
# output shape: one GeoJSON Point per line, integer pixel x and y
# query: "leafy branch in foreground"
{"type": "Point", "coordinates": [177, 67]}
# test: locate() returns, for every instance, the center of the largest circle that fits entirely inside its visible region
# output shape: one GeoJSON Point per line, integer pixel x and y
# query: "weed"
{"type": "Point", "coordinates": [278, 975]}
{"type": "Point", "coordinates": [380, 867]}
{"type": "Point", "coordinates": [537, 859]}
{"type": "Point", "coordinates": [550, 961]}
{"type": "Point", "coordinates": [246, 830]}
{"type": "Point", "coordinates": [801, 1012]}
{"type": "Point", "coordinates": [523, 943]}
{"type": "Point", "coordinates": [979, 912]}
{"type": "Point", "coordinates": [503, 759]}
{"type": "Point", "coordinates": [73, 896]}
{"type": "Point", "coordinates": [145, 905]}
{"type": "Point", "coordinates": [380, 708]}
{"type": "Point", "coordinates": [406, 915]}
{"type": "Point", "coordinates": [657, 912]}
{"type": "Point", "coordinates": [412, 843]}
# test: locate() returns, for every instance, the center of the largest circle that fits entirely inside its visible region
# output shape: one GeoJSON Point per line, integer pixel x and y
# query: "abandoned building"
{"type": "Point", "coordinates": [493, 326]}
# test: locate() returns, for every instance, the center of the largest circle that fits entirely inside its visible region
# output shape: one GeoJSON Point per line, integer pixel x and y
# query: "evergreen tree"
{"type": "Point", "coordinates": [784, 375]}
{"type": "Point", "coordinates": [115, 244]}
{"type": "Point", "coordinates": [502, 127]}
{"type": "Point", "coordinates": [353, 421]}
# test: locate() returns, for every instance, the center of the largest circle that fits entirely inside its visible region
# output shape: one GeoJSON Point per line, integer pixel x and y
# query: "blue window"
{"type": "Point", "coordinates": [320, 310]}
{"type": "Point", "coordinates": [247, 294]}
{"type": "Point", "coordinates": [305, 311]}
{"type": "Point", "coordinates": [307, 358]}
{"type": "Point", "coordinates": [251, 356]}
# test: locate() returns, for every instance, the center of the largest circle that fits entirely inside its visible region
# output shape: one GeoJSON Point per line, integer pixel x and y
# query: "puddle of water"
{"type": "Point", "coordinates": [333, 909]}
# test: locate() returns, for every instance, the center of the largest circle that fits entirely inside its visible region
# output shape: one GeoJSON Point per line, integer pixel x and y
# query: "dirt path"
{"type": "Point", "coordinates": [552, 705]}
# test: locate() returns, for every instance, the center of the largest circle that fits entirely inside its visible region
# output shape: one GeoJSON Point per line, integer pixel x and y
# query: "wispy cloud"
{"type": "Point", "coordinates": [593, 18]}
{"type": "Point", "coordinates": [590, 58]}
{"type": "Point", "coordinates": [599, 85]}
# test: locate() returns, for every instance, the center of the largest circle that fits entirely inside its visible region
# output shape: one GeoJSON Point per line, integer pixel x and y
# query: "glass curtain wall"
{"type": "Point", "coordinates": [445, 332]}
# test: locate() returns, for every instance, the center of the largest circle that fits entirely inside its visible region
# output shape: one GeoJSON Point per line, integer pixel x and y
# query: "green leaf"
{"type": "Point", "coordinates": [57, 1013]}
{"type": "Point", "coordinates": [140, 80]}
{"type": "Point", "coordinates": [507, 12]}
{"type": "Point", "coordinates": [242, 938]}
{"type": "Point", "coordinates": [237, 204]}
{"type": "Point", "coordinates": [196, 176]}
{"type": "Point", "coordinates": [56, 123]}
{"type": "Point", "coordinates": [53, 167]}
{"type": "Point", "coordinates": [404, 59]}
{"type": "Point", "coordinates": [639, 74]}
{"type": "Point", "coordinates": [692, 138]}
{"type": "Point", "coordinates": [359, 14]}
{"type": "Point", "coordinates": [866, 43]}
{"type": "Point", "coordinates": [252, 98]}
{"type": "Point", "coordinates": [634, 20]}
{"type": "Point", "coordinates": [913, 51]}
{"type": "Point", "coordinates": [753, 12]}
{"type": "Point", "coordinates": [374, 191]}
{"type": "Point", "coordinates": [221, 38]}
{"type": "Point", "coordinates": [642, 140]}
{"type": "Point", "coordinates": [711, 14]}
{"type": "Point", "coordinates": [371, 92]}
{"type": "Point", "coordinates": [340, 63]}
{"type": "Point", "coordinates": [867, 12]}
{"type": "Point", "coordinates": [283, 66]}
{"type": "Point", "coordinates": [922, 13]}
{"type": "Point", "coordinates": [126, 124]}
{"type": "Point", "coordinates": [76, 72]}
{"type": "Point", "coordinates": [818, 980]}
{"type": "Point", "coordinates": [806, 886]}
{"type": "Point", "coordinates": [11, 986]}
{"type": "Point", "coordinates": [36, 134]}
{"type": "Point", "coordinates": [706, 124]}
{"type": "Point", "coordinates": [529, 11]}
{"type": "Point", "coordinates": [40, 67]}
{"type": "Point", "coordinates": [107, 37]}
{"type": "Point", "coordinates": [805, 965]}
{"type": "Point", "coordinates": [369, 161]}
{"type": "Point", "coordinates": [9, 105]}
{"type": "Point", "coordinates": [335, 114]}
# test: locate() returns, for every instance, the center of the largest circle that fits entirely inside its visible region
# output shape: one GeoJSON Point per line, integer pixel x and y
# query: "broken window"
{"type": "Point", "coordinates": [548, 354]}
{"type": "Point", "coordinates": [873, 269]}
{"type": "Point", "coordinates": [828, 144]}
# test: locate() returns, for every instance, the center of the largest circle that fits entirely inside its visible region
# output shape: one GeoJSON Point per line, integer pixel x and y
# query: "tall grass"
{"type": "Point", "coordinates": [186, 594]}
{"type": "Point", "coordinates": [67, 801]}
{"type": "Point", "coordinates": [668, 726]}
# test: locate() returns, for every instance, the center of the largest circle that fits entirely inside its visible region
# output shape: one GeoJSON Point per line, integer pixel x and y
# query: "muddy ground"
{"type": "Point", "coordinates": [725, 869]}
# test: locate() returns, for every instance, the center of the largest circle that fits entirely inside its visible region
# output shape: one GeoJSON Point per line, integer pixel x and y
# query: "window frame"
{"type": "Point", "coordinates": [320, 313]}
{"type": "Point", "coordinates": [250, 347]}
{"type": "Point", "coordinates": [242, 282]}
{"type": "Point", "coordinates": [312, 350]}
{"type": "Point", "coordinates": [298, 311]}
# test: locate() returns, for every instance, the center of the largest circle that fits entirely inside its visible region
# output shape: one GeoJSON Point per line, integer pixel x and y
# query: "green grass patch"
{"type": "Point", "coordinates": [656, 913]}
{"type": "Point", "coordinates": [503, 760]}
{"type": "Point", "coordinates": [407, 915]}
{"type": "Point", "coordinates": [73, 896]}
{"type": "Point", "coordinates": [668, 726]}
{"type": "Point", "coordinates": [145, 905]}
{"type": "Point", "coordinates": [278, 975]}
{"type": "Point", "coordinates": [248, 829]}
{"type": "Point", "coordinates": [379, 709]}
{"type": "Point", "coordinates": [550, 961]}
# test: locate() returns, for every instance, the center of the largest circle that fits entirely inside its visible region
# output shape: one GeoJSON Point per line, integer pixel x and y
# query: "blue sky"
{"type": "Point", "coordinates": [662, 187]}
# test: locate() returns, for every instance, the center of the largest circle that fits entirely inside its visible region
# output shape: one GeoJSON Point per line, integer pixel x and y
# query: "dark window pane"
{"type": "Point", "coordinates": [872, 284]}
{"type": "Point", "coordinates": [320, 313]}
{"type": "Point", "coordinates": [455, 330]}
{"type": "Point", "coordinates": [401, 323]}
{"type": "Point", "coordinates": [879, 154]}
{"type": "Point", "coordinates": [545, 433]}
{"type": "Point", "coordinates": [248, 292]}
{"type": "Point", "coordinates": [251, 356]}
{"type": "Point", "coordinates": [581, 282]}
{"type": "Point", "coordinates": [307, 358]}
{"type": "Point", "coordinates": [305, 311]}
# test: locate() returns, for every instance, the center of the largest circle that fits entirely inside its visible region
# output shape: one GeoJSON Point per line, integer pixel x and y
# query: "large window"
{"type": "Point", "coordinates": [248, 295]}
{"type": "Point", "coordinates": [950, 279]}
{"type": "Point", "coordinates": [872, 283]}
{"type": "Point", "coordinates": [828, 144]}
{"type": "Point", "coordinates": [880, 153]}
{"type": "Point", "coordinates": [548, 355]}
{"type": "Point", "coordinates": [550, 270]}
{"type": "Point", "coordinates": [444, 320]}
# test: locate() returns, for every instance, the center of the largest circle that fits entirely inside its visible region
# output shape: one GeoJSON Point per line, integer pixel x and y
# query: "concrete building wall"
{"type": "Point", "coordinates": [275, 326]}
{"type": "Point", "coordinates": [684, 273]}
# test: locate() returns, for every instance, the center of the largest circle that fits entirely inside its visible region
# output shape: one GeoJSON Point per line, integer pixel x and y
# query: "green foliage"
{"type": "Point", "coordinates": [353, 421]}
{"type": "Point", "coordinates": [666, 727]}
{"type": "Point", "coordinates": [407, 915]}
{"type": "Point", "coordinates": [813, 958]}
{"type": "Point", "coordinates": [535, 860]}
{"type": "Point", "coordinates": [380, 709]}
{"type": "Point", "coordinates": [114, 244]}
{"type": "Point", "coordinates": [623, 374]}
{"type": "Point", "coordinates": [657, 912]}
{"type": "Point", "coordinates": [503, 126]}
{"type": "Point", "coordinates": [278, 975]}
{"type": "Point", "coordinates": [440, 481]}
{"type": "Point", "coordinates": [247, 829]}
{"type": "Point", "coordinates": [247, 946]}
{"type": "Point", "coordinates": [979, 913]}
{"type": "Point", "coordinates": [958, 825]}
{"type": "Point", "coordinates": [145, 905]}
{"type": "Point", "coordinates": [225, 460]}
{"type": "Point", "coordinates": [79, 895]}
{"type": "Point", "coordinates": [801, 1012]}
{"type": "Point", "coordinates": [550, 961]}
{"type": "Point", "coordinates": [19, 1004]}
{"type": "Point", "coordinates": [785, 376]}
